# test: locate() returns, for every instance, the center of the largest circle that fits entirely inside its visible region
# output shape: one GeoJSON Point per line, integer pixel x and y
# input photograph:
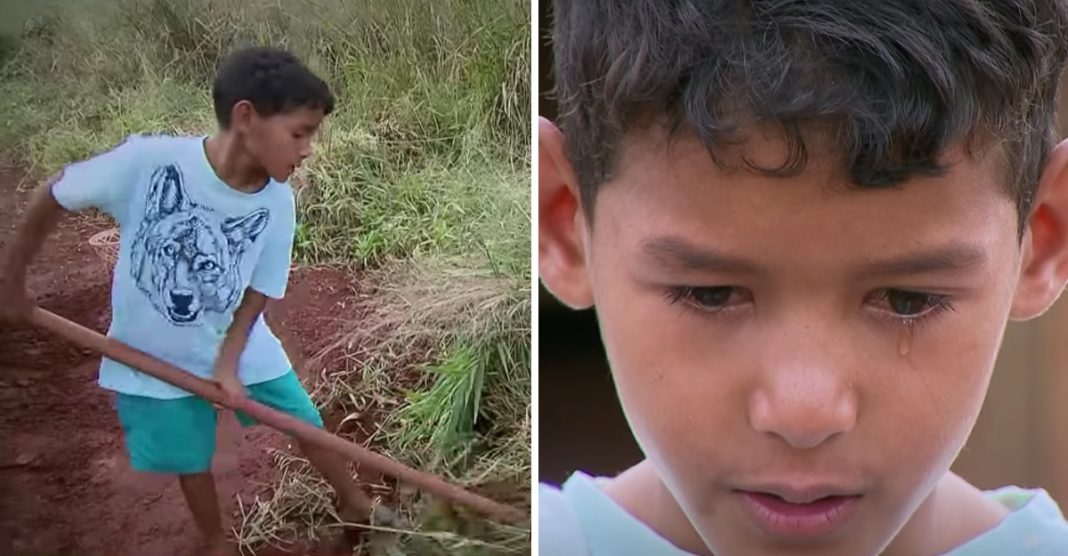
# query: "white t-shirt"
{"type": "Point", "coordinates": [582, 520]}
{"type": "Point", "coordinates": [189, 247]}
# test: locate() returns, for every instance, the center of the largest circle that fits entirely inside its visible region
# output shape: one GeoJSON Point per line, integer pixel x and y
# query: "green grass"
{"type": "Point", "coordinates": [420, 182]}
{"type": "Point", "coordinates": [463, 408]}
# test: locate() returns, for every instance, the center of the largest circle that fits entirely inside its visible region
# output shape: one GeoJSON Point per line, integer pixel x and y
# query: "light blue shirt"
{"type": "Point", "coordinates": [189, 247]}
{"type": "Point", "coordinates": [581, 520]}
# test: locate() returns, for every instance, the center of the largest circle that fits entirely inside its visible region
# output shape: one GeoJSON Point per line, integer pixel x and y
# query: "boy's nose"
{"type": "Point", "coordinates": [804, 405]}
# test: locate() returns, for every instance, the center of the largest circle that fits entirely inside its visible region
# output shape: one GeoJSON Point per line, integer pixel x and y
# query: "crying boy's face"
{"type": "Point", "coordinates": [800, 360]}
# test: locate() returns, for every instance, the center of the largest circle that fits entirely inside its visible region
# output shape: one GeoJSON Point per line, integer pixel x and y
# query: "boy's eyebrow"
{"type": "Point", "coordinates": [953, 256]}
{"type": "Point", "coordinates": [680, 254]}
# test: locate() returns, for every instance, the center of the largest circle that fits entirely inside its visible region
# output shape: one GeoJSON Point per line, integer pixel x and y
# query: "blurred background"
{"type": "Point", "coordinates": [1019, 438]}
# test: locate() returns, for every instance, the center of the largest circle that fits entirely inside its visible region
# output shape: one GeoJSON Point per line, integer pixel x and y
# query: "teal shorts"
{"type": "Point", "coordinates": [177, 436]}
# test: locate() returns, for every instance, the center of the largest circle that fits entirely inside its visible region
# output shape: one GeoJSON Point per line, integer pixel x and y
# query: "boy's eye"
{"type": "Point", "coordinates": [910, 304]}
{"type": "Point", "coordinates": [907, 303]}
{"type": "Point", "coordinates": [707, 299]}
{"type": "Point", "coordinates": [711, 297]}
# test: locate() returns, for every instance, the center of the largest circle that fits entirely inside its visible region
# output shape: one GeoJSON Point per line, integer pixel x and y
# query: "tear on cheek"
{"type": "Point", "coordinates": [904, 340]}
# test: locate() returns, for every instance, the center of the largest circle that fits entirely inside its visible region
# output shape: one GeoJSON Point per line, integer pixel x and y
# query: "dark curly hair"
{"type": "Point", "coordinates": [890, 83]}
{"type": "Point", "coordinates": [273, 80]}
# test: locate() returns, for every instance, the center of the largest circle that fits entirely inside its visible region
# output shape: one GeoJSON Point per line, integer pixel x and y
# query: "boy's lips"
{"type": "Point", "coordinates": [797, 494]}
{"type": "Point", "coordinates": [798, 512]}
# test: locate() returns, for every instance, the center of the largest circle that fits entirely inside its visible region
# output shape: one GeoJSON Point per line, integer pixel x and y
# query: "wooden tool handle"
{"type": "Point", "coordinates": [114, 349]}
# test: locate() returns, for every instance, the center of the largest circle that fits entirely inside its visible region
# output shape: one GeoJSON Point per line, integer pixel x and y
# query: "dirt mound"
{"type": "Point", "coordinates": [65, 483]}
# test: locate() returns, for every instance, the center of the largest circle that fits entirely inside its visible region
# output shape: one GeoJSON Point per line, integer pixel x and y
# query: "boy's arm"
{"type": "Point", "coordinates": [103, 181]}
{"type": "Point", "coordinates": [41, 217]}
{"type": "Point", "coordinates": [269, 279]}
{"type": "Point", "coordinates": [233, 345]}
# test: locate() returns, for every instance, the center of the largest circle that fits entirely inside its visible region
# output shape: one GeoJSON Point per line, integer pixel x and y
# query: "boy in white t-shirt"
{"type": "Point", "coordinates": [206, 227]}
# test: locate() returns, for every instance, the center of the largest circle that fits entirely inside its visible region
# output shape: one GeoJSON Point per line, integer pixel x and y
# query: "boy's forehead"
{"type": "Point", "coordinates": [301, 117]}
{"type": "Point", "coordinates": [669, 187]}
{"type": "Point", "coordinates": [766, 148]}
{"type": "Point", "coordinates": [763, 154]}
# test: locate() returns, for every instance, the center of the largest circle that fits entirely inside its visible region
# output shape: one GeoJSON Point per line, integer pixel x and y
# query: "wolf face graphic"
{"type": "Point", "coordinates": [186, 258]}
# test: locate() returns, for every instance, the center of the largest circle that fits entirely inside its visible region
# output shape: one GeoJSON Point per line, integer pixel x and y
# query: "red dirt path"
{"type": "Point", "coordinates": [65, 483]}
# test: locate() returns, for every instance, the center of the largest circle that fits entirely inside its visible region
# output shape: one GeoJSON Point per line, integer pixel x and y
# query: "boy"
{"type": "Point", "coordinates": [804, 226]}
{"type": "Point", "coordinates": [207, 227]}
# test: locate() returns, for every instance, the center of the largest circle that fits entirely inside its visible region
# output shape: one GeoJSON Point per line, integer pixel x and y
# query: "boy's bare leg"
{"type": "Point", "coordinates": [355, 505]}
{"type": "Point", "coordinates": [203, 502]}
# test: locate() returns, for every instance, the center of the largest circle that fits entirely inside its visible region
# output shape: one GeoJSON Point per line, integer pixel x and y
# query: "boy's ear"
{"type": "Point", "coordinates": [1044, 272]}
{"type": "Point", "coordinates": [241, 115]}
{"type": "Point", "coordinates": [562, 237]}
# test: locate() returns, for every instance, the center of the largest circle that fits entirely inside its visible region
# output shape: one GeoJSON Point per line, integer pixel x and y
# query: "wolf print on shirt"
{"type": "Point", "coordinates": [186, 257]}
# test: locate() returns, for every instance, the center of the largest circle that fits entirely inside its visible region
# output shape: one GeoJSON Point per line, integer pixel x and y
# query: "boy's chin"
{"type": "Point", "coordinates": [282, 175]}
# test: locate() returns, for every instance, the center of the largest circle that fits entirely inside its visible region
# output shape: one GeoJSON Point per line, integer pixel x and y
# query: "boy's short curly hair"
{"type": "Point", "coordinates": [889, 84]}
{"type": "Point", "coordinates": [273, 80]}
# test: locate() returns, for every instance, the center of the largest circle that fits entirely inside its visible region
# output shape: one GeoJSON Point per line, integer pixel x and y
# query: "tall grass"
{"type": "Point", "coordinates": [420, 181]}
